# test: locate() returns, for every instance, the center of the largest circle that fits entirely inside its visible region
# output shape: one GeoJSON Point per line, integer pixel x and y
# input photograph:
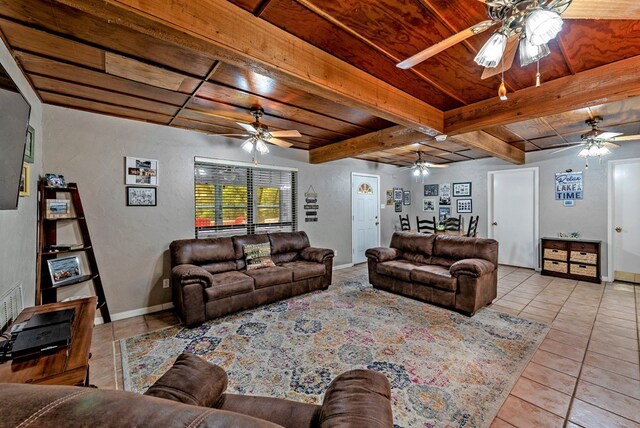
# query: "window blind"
{"type": "Point", "coordinates": [233, 198]}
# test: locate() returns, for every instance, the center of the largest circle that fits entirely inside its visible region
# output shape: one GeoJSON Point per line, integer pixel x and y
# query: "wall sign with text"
{"type": "Point", "coordinates": [569, 185]}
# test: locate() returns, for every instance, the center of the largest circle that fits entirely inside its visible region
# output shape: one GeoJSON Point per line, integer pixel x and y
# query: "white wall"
{"type": "Point", "coordinates": [588, 216]}
{"type": "Point", "coordinates": [18, 227]}
{"type": "Point", "coordinates": [131, 243]}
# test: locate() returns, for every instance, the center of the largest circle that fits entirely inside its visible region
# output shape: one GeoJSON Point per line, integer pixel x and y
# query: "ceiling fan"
{"type": "Point", "coordinates": [527, 23]}
{"type": "Point", "coordinates": [421, 167]}
{"type": "Point", "coordinates": [259, 135]}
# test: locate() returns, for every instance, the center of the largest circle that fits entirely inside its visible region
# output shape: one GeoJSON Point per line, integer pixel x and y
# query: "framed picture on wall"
{"type": "Point", "coordinates": [406, 197]}
{"type": "Point", "coordinates": [142, 172]}
{"type": "Point", "coordinates": [461, 189]}
{"type": "Point", "coordinates": [24, 180]}
{"type": "Point", "coordinates": [398, 206]}
{"type": "Point", "coordinates": [389, 197]}
{"type": "Point", "coordinates": [141, 196]}
{"type": "Point", "coordinates": [464, 205]}
{"type": "Point", "coordinates": [430, 190]}
{"type": "Point", "coordinates": [444, 213]}
{"type": "Point", "coordinates": [429, 205]}
{"type": "Point", "coordinates": [64, 270]}
{"type": "Point", "coordinates": [397, 194]}
{"type": "Point", "coordinates": [29, 149]}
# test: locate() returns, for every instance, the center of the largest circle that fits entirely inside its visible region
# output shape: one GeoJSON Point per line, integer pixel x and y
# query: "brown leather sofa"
{"type": "Point", "coordinates": [191, 394]}
{"type": "Point", "coordinates": [209, 276]}
{"type": "Point", "coordinates": [451, 271]}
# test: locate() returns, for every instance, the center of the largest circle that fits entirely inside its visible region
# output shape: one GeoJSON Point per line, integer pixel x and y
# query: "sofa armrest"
{"type": "Point", "coordinates": [357, 398]}
{"type": "Point", "coordinates": [318, 255]}
{"type": "Point", "coordinates": [382, 254]}
{"type": "Point", "coordinates": [191, 380]}
{"type": "Point", "coordinates": [191, 274]}
{"type": "Point", "coordinates": [471, 267]}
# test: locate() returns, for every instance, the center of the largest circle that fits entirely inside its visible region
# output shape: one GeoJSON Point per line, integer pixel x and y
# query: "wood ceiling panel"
{"type": "Point", "coordinates": [592, 43]}
{"type": "Point", "coordinates": [449, 145]}
{"type": "Point", "coordinates": [299, 21]}
{"type": "Point", "coordinates": [570, 121]}
{"type": "Point", "coordinates": [258, 84]}
{"type": "Point", "coordinates": [250, 5]}
{"type": "Point", "coordinates": [503, 133]}
{"type": "Point", "coordinates": [620, 112]}
{"type": "Point", "coordinates": [454, 157]}
{"type": "Point", "coordinates": [61, 71]}
{"type": "Point", "coordinates": [100, 95]}
{"type": "Point", "coordinates": [97, 107]}
{"type": "Point", "coordinates": [30, 40]}
{"type": "Point", "coordinates": [118, 65]}
{"type": "Point", "coordinates": [472, 154]}
{"type": "Point", "coordinates": [60, 19]}
{"type": "Point", "coordinates": [245, 100]}
{"type": "Point", "coordinates": [241, 114]}
{"type": "Point", "coordinates": [534, 128]}
{"type": "Point", "coordinates": [544, 143]}
{"type": "Point", "coordinates": [208, 128]}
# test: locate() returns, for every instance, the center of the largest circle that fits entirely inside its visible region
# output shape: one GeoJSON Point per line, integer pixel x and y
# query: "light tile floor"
{"type": "Point", "coordinates": [585, 373]}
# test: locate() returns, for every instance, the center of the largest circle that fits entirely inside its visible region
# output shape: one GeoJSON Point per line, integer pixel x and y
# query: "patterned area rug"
{"type": "Point", "coordinates": [445, 369]}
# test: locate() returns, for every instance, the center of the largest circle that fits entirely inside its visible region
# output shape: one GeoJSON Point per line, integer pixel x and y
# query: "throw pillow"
{"type": "Point", "coordinates": [258, 255]}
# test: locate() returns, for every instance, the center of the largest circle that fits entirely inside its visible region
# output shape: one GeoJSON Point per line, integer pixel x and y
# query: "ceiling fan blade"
{"type": "Point", "coordinates": [628, 138]}
{"type": "Point", "coordinates": [509, 55]}
{"type": "Point", "coordinates": [609, 135]}
{"type": "Point", "coordinates": [610, 144]}
{"type": "Point", "coordinates": [286, 134]}
{"type": "Point", "coordinates": [445, 44]}
{"type": "Point", "coordinates": [437, 165]}
{"type": "Point", "coordinates": [248, 127]}
{"type": "Point", "coordinates": [281, 143]}
{"type": "Point", "coordinates": [232, 135]}
{"type": "Point", "coordinates": [605, 9]}
{"type": "Point", "coordinates": [567, 148]}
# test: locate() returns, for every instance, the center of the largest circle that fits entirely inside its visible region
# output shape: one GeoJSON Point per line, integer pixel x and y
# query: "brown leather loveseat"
{"type": "Point", "coordinates": [451, 271]}
{"type": "Point", "coordinates": [191, 394]}
{"type": "Point", "coordinates": [210, 277]}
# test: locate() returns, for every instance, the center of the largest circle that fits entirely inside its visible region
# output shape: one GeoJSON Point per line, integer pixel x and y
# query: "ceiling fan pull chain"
{"type": "Point", "coordinates": [538, 74]}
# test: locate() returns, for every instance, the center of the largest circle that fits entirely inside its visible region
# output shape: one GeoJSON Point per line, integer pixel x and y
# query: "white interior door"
{"type": "Point", "coordinates": [626, 228]}
{"type": "Point", "coordinates": [513, 215]}
{"type": "Point", "coordinates": [365, 215]}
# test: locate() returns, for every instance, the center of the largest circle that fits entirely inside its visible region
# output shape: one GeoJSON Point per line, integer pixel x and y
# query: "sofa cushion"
{"type": "Point", "coordinates": [416, 247]}
{"type": "Point", "coordinates": [286, 246]}
{"type": "Point", "coordinates": [201, 251]}
{"type": "Point", "coordinates": [270, 276]}
{"type": "Point", "coordinates": [472, 267]}
{"type": "Point", "coordinates": [460, 247]}
{"type": "Point", "coordinates": [304, 270]}
{"type": "Point", "coordinates": [183, 382]}
{"type": "Point", "coordinates": [435, 276]}
{"type": "Point", "coordinates": [400, 269]}
{"type": "Point", "coordinates": [258, 256]}
{"type": "Point", "coordinates": [238, 246]}
{"type": "Point", "coordinates": [229, 284]}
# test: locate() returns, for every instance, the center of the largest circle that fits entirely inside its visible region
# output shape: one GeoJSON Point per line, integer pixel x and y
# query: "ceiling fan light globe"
{"type": "Point", "coordinates": [425, 171]}
{"type": "Point", "coordinates": [603, 151]}
{"type": "Point", "coordinates": [531, 53]}
{"type": "Point", "coordinates": [594, 151]}
{"type": "Point", "coordinates": [261, 147]}
{"type": "Point", "coordinates": [491, 53]}
{"type": "Point", "coordinates": [584, 153]}
{"type": "Point", "coordinates": [416, 172]}
{"type": "Point", "coordinates": [247, 146]}
{"type": "Point", "coordinates": [542, 25]}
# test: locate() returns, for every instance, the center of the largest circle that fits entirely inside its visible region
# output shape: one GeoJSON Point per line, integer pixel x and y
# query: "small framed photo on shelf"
{"type": "Point", "coordinates": [29, 148]}
{"type": "Point", "coordinates": [54, 180]}
{"type": "Point", "coordinates": [142, 172]}
{"type": "Point", "coordinates": [58, 208]}
{"type": "Point", "coordinates": [398, 207]}
{"type": "Point", "coordinates": [430, 190]}
{"type": "Point", "coordinates": [429, 205]}
{"type": "Point", "coordinates": [397, 194]}
{"type": "Point", "coordinates": [464, 206]}
{"type": "Point", "coordinates": [461, 189]}
{"type": "Point", "coordinates": [142, 196]}
{"type": "Point", "coordinates": [64, 270]}
{"type": "Point", "coordinates": [406, 197]}
{"type": "Point", "coordinates": [25, 180]}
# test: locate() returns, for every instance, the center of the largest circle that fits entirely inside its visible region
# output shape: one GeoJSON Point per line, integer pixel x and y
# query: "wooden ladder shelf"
{"type": "Point", "coordinates": [48, 248]}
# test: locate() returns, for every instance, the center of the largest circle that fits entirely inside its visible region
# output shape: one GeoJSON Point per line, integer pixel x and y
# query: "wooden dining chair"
{"type": "Point", "coordinates": [404, 222]}
{"type": "Point", "coordinates": [452, 224]}
{"type": "Point", "coordinates": [428, 226]}
{"type": "Point", "coordinates": [473, 227]}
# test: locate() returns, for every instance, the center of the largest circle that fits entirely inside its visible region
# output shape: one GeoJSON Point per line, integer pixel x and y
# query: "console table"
{"type": "Point", "coordinates": [571, 258]}
{"type": "Point", "coordinates": [66, 366]}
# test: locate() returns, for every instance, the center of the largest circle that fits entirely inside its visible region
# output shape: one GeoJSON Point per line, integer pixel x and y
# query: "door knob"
{"type": "Point", "coordinates": [618, 229]}
{"type": "Point", "coordinates": [495, 223]}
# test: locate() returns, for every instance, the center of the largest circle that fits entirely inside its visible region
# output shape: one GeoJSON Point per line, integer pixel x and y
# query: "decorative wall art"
{"type": "Point", "coordinates": [389, 197]}
{"type": "Point", "coordinates": [430, 190]}
{"type": "Point", "coordinates": [569, 185]}
{"type": "Point", "coordinates": [140, 171]}
{"type": "Point", "coordinates": [311, 203]}
{"type": "Point", "coordinates": [461, 189]}
{"type": "Point", "coordinates": [142, 196]}
{"type": "Point", "coordinates": [464, 205]}
{"type": "Point", "coordinates": [398, 206]}
{"type": "Point", "coordinates": [445, 194]}
{"type": "Point", "coordinates": [429, 205]}
{"type": "Point", "coordinates": [444, 213]}
{"type": "Point", "coordinates": [25, 180]}
{"type": "Point", "coordinates": [406, 197]}
{"type": "Point", "coordinates": [29, 149]}
{"type": "Point", "coordinates": [55, 180]}
{"type": "Point", "coordinates": [397, 194]}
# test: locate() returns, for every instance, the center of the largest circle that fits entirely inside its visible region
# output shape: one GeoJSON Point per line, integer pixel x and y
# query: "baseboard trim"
{"type": "Point", "coordinates": [345, 266]}
{"type": "Point", "coordinates": [136, 312]}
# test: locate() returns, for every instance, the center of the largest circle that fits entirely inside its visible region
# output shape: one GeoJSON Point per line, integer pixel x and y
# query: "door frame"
{"type": "Point", "coordinates": [610, 213]}
{"type": "Point", "coordinates": [536, 206]}
{"type": "Point", "coordinates": [353, 217]}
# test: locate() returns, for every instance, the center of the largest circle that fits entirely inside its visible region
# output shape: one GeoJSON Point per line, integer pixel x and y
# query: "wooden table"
{"type": "Point", "coordinates": [66, 366]}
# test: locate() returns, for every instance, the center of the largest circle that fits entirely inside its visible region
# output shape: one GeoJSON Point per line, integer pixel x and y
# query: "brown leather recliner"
{"type": "Point", "coordinates": [451, 271]}
{"type": "Point", "coordinates": [209, 276]}
{"type": "Point", "coordinates": [191, 393]}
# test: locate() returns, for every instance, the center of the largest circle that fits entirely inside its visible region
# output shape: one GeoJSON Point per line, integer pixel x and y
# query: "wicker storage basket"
{"type": "Point", "coordinates": [583, 270]}
{"type": "Point", "coordinates": [550, 253]}
{"type": "Point", "coordinates": [555, 266]}
{"type": "Point", "coordinates": [582, 257]}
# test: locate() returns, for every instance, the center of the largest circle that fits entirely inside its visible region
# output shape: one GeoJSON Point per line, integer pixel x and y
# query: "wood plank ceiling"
{"type": "Point", "coordinates": [94, 56]}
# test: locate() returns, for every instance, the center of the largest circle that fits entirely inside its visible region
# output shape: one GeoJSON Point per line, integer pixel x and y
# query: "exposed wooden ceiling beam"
{"type": "Point", "coordinates": [601, 85]}
{"type": "Point", "coordinates": [213, 27]}
{"type": "Point", "coordinates": [487, 143]}
{"type": "Point", "coordinates": [385, 139]}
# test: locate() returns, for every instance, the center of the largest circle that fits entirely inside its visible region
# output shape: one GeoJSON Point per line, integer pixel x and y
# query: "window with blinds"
{"type": "Point", "coordinates": [237, 198]}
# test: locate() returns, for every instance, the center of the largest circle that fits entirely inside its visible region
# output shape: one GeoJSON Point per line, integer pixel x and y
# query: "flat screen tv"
{"type": "Point", "coordinates": [14, 121]}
